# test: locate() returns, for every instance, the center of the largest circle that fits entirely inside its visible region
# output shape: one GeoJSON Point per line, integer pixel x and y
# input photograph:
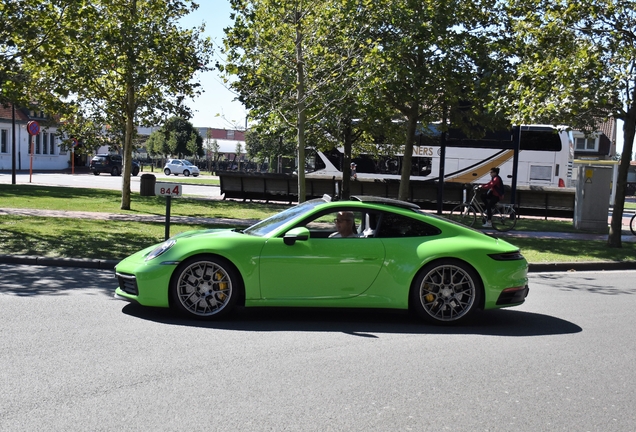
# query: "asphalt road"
{"type": "Point", "coordinates": [73, 358]}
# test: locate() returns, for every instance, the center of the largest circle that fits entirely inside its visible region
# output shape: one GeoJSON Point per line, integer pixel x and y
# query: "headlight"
{"type": "Point", "coordinates": [160, 249]}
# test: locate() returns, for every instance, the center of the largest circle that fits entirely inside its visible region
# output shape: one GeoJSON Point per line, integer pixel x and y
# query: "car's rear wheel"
{"type": "Point", "coordinates": [186, 173]}
{"type": "Point", "coordinates": [115, 171]}
{"type": "Point", "coordinates": [135, 171]}
{"type": "Point", "coordinates": [95, 172]}
{"type": "Point", "coordinates": [205, 287]}
{"type": "Point", "coordinates": [446, 291]}
{"type": "Point", "coordinates": [166, 171]}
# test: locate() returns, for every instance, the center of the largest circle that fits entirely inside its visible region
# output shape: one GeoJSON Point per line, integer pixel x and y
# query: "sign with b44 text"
{"type": "Point", "coordinates": [168, 189]}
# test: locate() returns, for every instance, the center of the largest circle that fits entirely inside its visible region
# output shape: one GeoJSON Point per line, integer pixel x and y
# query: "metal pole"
{"type": "Point", "coordinates": [442, 164]}
{"type": "Point", "coordinates": [13, 143]}
{"type": "Point", "coordinates": [516, 134]}
{"type": "Point", "coordinates": [31, 159]}
{"type": "Point", "coordinates": [167, 234]}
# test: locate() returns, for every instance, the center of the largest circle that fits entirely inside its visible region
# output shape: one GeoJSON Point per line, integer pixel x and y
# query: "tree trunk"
{"type": "Point", "coordinates": [407, 159]}
{"type": "Point", "coordinates": [302, 115]}
{"type": "Point", "coordinates": [129, 108]}
{"type": "Point", "coordinates": [128, 144]}
{"type": "Point", "coordinates": [616, 225]}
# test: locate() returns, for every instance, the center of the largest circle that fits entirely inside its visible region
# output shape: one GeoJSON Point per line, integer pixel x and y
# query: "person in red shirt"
{"type": "Point", "coordinates": [493, 193]}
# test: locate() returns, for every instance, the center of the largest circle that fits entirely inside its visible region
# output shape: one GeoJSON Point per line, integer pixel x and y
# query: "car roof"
{"type": "Point", "coordinates": [386, 201]}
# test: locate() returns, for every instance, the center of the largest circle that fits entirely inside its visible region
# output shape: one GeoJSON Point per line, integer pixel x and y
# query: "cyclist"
{"type": "Point", "coordinates": [493, 193]}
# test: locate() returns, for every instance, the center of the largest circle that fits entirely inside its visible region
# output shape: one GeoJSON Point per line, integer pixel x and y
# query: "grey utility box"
{"type": "Point", "coordinates": [591, 202]}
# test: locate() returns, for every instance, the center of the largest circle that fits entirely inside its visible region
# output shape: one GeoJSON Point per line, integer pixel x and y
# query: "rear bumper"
{"type": "Point", "coordinates": [513, 296]}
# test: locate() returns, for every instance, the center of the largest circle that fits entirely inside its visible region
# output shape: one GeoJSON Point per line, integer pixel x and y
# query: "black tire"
{"type": "Point", "coordinates": [205, 287]}
{"type": "Point", "coordinates": [95, 172]}
{"type": "Point", "coordinates": [632, 225]}
{"type": "Point", "coordinates": [464, 214]}
{"type": "Point", "coordinates": [446, 292]}
{"type": "Point", "coordinates": [135, 171]}
{"type": "Point", "coordinates": [186, 173]}
{"type": "Point", "coordinates": [166, 171]}
{"type": "Point", "coordinates": [115, 171]}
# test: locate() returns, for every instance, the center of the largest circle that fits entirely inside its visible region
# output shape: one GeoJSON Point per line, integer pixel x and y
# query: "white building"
{"type": "Point", "coordinates": [47, 154]}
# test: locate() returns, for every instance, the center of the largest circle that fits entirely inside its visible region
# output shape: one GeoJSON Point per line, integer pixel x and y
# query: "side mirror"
{"type": "Point", "coordinates": [296, 234]}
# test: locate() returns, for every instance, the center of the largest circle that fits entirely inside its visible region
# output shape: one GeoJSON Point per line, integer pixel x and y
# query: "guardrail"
{"type": "Point", "coordinates": [529, 200]}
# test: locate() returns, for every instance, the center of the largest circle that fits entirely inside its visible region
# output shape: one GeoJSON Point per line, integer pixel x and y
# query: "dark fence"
{"type": "Point", "coordinates": [529, 200]}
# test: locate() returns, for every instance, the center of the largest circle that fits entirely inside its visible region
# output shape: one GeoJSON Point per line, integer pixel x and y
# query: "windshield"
{"type": "Point", "coordinates": [185, 162]}
{"type": "Point", "coordinates": [268, 225]}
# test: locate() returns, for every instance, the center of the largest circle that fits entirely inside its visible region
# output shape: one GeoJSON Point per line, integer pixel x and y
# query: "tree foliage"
{"type": "Point", "coordinates": [125, 63]}
{"type": "Point", "coordinates": [343, 67]}
{"type": "Point", "coordinates": [295, 62]}
{"type": "Point", "coordinates": [437, 61]}
{"type": "Point", "coordinates": [30, 29]}
{"type": "Point", "coordinates": [577, 66]}
{"type": "Point", "coordinates": [177, 137]}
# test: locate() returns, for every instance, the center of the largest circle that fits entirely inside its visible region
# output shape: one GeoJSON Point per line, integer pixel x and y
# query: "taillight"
{"type": "Point", "coordinates": [561, 183]}
{"type": "Point", "coordinates": [507, 256]}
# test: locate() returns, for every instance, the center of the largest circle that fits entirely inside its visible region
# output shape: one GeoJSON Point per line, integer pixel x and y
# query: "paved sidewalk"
{"type": "Point", "coordinates": [109, 264]}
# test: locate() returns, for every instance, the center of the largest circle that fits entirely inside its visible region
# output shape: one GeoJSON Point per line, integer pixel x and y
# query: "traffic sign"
{"type": "Point", "coordinates": [33, 128]}
{"type": "Point", "coordinates": [168, 189]}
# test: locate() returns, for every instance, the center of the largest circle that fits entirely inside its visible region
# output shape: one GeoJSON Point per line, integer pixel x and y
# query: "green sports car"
{"type": "Point", "coordinates": [398, 257]}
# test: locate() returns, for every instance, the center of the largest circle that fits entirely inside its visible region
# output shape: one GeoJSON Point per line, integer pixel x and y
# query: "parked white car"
{"type": "Point", "coordinates": [180, 166]}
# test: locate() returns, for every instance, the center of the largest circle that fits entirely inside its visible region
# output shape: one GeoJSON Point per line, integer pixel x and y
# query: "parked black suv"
{"type": "Point", "coordinates": [112, 164]}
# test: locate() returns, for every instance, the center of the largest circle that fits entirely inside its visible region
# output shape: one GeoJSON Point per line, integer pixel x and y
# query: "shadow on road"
{"type": "Point", "coordinates": [365, 322]}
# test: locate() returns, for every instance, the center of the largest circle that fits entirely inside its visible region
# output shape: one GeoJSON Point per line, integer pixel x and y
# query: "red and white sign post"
{"type": "Point", "coordinates": [33, 128]}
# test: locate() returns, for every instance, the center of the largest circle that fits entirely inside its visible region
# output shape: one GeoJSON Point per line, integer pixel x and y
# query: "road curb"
{"type": "Point", "coordinates": [582, 266]}
{"type": "Point", "coordinates": [101, 264]}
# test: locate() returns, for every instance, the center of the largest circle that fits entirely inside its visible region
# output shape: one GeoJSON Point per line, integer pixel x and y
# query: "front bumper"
{"type": "Point", "coordinates": [146, 283]}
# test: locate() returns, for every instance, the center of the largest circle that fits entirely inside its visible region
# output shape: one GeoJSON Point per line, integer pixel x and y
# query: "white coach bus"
{"type": "Point", "coordinates": [545, 159]}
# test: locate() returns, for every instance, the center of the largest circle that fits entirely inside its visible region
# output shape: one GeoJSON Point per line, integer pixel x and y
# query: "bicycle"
{"type": "Point", "coordinates": [504, 217]}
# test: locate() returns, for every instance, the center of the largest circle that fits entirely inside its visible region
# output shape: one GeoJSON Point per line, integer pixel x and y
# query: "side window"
{"type": "Point", "coordinates": [394, 225]}
{"type": "Point", "coordinates": [324, 225]}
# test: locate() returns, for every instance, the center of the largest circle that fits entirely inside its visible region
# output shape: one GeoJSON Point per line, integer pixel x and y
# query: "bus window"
{"type": "Point", "coordinates": [540, 141]}
{"type": "Point", "coordinates": [541, 173]}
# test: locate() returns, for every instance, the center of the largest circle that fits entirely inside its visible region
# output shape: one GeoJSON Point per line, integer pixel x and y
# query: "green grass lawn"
{"type": "Point", "coordinates": [191, 180]}
{"type": "Point", "coordinates": [80, 238]}
{"type": "Point", "coordinates": [109, 201]}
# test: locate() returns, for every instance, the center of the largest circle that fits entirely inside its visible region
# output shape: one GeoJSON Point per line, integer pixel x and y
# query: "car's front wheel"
{"type": "Point", "coordinates": [446, 291]}
{"type": "Point", "coordinates": [166, 171]}
{"type": "Point", "coordinates": [135, 171]}
{"type": "Point", "coordinates": [95, 172]}
{"type": "Point", "coordinates": [205, 287]}
{"type": "Point", "coordinates": [186, 173]}
{"type": "Point", "coordinates": [115, 171]}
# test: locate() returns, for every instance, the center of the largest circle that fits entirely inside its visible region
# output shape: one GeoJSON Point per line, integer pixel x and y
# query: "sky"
{"type": "Point", "coordinates": [216, 107]}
